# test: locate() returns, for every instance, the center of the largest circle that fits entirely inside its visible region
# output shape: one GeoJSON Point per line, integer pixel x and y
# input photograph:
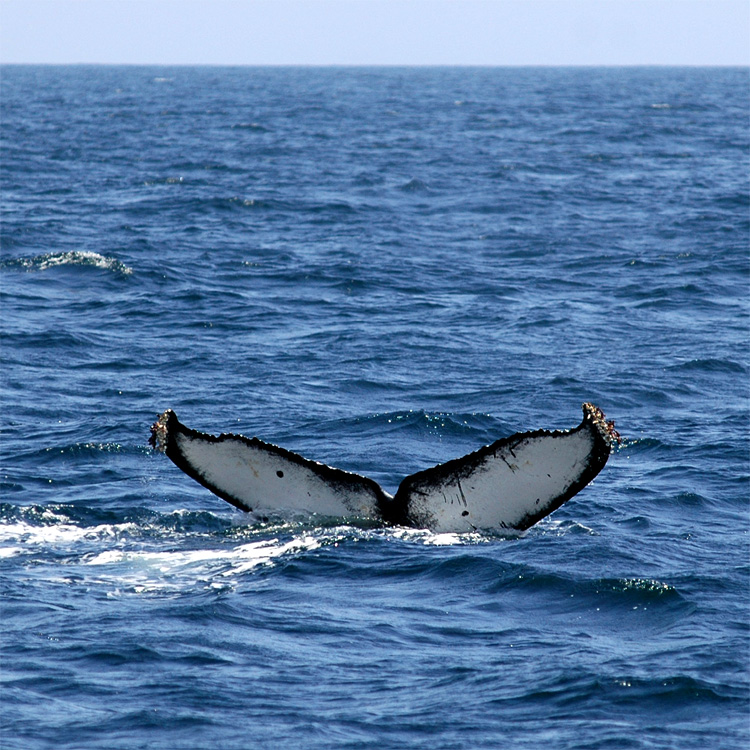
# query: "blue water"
{"type": "Point", "coordinates": [381, 269]}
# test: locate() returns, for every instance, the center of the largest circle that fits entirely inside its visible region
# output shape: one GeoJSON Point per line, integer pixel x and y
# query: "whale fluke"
{"type": "Point", "coordinates": [508, 485]}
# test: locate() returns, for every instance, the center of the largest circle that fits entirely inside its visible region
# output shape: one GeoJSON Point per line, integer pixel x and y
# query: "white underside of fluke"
{"type": "Point", "coordinates": [508, 485]}
{"type": "Point", "coordinates": [260, 479]}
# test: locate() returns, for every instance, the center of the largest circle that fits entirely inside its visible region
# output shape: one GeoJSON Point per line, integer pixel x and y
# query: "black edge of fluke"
{"type": "Point", "coordinates": [163, 439]}
{"type": "Point", "coordinates": [398, 510]}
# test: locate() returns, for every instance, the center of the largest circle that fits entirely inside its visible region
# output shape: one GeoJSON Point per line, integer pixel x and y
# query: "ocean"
{"type": "Point", "coordinates": [381, 269]}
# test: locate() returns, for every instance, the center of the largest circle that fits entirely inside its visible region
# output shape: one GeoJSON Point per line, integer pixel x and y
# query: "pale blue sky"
{"type": "Point", "coordinates": [377, 32]}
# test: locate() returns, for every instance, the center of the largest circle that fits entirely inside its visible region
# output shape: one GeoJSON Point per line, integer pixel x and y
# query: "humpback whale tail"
{"type": "Point", "coordinates": [508, 485]}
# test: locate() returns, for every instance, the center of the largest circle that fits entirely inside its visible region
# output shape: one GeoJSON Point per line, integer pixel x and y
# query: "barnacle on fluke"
{"type": "Point", "coordinates": [508, 485]}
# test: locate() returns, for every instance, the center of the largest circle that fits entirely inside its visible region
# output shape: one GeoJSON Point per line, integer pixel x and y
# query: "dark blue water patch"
{"type": "Point", "coordinates": [418, 422]}
{"type": "Point", "coordinates": [415, 186]}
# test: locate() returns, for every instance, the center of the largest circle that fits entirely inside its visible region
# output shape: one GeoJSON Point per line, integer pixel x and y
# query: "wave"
{"type": "Point", "coordinates": [418, 421]}
{"type": "Point", "coordinates": [415, 186]}
{"type": "Point", "coordinates": [210, 204]}
{"type": "Point", "coordinates": [677, 693]}
{"type": "Point", "coordinates": [255, 127]}
{"type": "Point", "coordinates": [710, 365]}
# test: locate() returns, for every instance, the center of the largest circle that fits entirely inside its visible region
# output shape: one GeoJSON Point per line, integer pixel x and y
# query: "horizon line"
{"type": "Point", "coordinates": [371, 65]}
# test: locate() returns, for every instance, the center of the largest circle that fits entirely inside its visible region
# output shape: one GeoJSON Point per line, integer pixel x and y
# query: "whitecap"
{"type": "Point", "coordinates": [58, 534]}
{"type": "Point", "coordinates": [435, 539]}
{"type": "Point", "coordinates": [562, 527]}
{"type": "Point", "coordinates": [69, 258]}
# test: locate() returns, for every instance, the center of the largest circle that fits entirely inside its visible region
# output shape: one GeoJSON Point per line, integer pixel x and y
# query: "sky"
{"type": "Point", "coordinates": [376, 32]}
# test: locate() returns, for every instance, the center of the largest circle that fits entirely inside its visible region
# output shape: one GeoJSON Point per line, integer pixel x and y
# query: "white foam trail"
{"type": "Point", "coordinates": [152, 571]}
{"type": "Point", "coordinates": [119, 558]}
